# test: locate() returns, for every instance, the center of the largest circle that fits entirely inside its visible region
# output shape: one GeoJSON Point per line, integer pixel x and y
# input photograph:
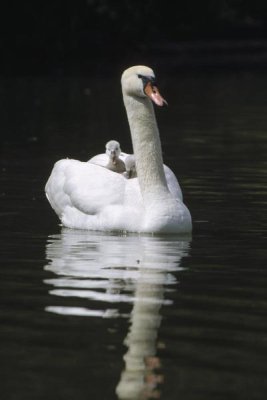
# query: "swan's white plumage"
{"type": "Point", "coordinates": [79, 199]}
{"type": "Point", "coordinates": [87, 196]}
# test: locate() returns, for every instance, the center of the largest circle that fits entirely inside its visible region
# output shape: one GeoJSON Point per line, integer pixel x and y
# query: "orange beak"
{"type": "Point", "coordinates": [153, 93]}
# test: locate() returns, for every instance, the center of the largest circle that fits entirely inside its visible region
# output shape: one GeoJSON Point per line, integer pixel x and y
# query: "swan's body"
{"type": "Point", "coordinates": [88, 196]}
{"type": "Point", "coordinates": [111, 159]}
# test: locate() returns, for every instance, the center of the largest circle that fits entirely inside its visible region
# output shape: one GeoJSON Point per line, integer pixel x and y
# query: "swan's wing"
{"type": "Point", "coordinates": [54, 188]}
{"type": "Point", "coordinates": [99, 159]}
{"type": "Point", "coordinates": [172, 183]}
{"type": "Point", "coordinates": [123, 156]}
{"type": "Point", "coordinates": [87, 187]}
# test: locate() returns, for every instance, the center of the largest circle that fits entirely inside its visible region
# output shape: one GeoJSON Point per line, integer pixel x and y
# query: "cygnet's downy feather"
{"type": "Point", "coordinates": [111, 159]}
{"type": "Point", "coordinates": [130, 167]}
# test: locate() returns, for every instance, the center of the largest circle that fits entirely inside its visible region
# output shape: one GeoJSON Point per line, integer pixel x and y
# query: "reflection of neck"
{"type": "Point", "coordinates": [142, 335]}
{"type": "Point", "coordinates": [146, 145]}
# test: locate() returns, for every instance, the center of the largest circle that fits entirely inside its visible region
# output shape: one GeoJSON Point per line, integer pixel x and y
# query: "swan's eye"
{"type": "Point", "coordinates": [146, 80]}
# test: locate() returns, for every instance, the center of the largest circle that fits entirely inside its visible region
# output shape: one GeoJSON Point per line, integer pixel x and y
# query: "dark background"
{"type": "Point", "coordinates": [82, 36]}
{"type": "Point", "coordinates": [60, 97]}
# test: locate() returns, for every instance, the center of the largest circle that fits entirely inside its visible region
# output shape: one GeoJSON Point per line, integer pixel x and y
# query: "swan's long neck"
{"type": "Point", "coordinates": [146, 146]}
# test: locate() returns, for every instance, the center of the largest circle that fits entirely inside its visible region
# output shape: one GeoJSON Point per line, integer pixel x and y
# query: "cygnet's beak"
{"type": "Point", "coordinates": [153, 93]}
{"type": "Point", "coordinates": [113, 157]}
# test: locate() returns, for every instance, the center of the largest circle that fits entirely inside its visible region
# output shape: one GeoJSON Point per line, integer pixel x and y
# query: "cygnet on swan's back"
{"type": "Point", "coordinates": [130, 167]}
{"type": "Point", "coordinates": [110, 159]}
{"type": "Point", "coordinates": [113, 151]}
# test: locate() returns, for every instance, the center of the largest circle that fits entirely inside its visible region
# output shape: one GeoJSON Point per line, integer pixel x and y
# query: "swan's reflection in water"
{"type": "Point", "coordinates": [113, 270]}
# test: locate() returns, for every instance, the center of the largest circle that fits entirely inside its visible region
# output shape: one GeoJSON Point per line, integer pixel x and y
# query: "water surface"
{"type": "Point", "coordinates": [106, 316]}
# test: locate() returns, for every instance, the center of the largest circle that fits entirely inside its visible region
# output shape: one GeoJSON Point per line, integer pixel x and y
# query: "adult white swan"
{"type": "Point", "coordinates": [88, 196]}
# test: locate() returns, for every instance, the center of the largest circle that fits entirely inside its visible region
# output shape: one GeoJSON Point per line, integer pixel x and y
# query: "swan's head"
{"type": "Point", "coordinates": [140, 81]}
{"type": "Point", "coordinates": [113, 150]}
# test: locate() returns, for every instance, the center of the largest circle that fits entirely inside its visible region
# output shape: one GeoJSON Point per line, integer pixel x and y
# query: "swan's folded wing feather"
{"type": "Point", "coordinates": [87, 187]}
{"type": "Point", "coordinates": [91, 188]}
{"type": "Point", "coordinates": [99, 159]}
{"type": "Point", "coordinates": [54, 187]}
{"type": "Point", "coordinates": [123, 156]}
{"type": "Point", "coordinates": [173, 183]}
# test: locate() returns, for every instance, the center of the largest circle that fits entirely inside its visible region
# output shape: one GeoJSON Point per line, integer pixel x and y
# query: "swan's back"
{"type": "Point", "coordinates": [88, 196]}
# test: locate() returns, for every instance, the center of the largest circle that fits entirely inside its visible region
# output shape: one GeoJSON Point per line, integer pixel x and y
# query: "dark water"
{"type": "Point", "coordinates": [102, 316]}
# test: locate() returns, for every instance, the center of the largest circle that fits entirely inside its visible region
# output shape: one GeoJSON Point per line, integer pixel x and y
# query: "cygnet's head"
{"type": "Point", "coordinates": [130, 166]}
{"type": "Point", "coordinates": [113, 150]}
{"type": "Point", "coordinates": [139, 81]}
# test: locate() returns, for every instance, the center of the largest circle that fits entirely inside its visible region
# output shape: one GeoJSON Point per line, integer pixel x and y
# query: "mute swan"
{"type": "Point", "coordinates": [110, 159]}
{"type": "Point", "coordinates": [130, 167]}
{"type": "Point", "coordinates": [87, 196]}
